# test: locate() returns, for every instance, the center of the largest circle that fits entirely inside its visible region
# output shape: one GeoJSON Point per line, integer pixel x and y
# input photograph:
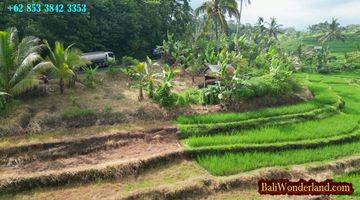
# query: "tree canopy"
{"type": "Point", "coordinates": [126, 27]}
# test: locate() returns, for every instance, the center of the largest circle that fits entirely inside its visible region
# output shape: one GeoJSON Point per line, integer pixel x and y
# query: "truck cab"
{"type": "Point", "coordinates": [110, 56]}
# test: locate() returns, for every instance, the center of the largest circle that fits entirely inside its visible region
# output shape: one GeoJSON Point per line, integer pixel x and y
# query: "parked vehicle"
{"type": "Point", "coordinates": [99, 58]}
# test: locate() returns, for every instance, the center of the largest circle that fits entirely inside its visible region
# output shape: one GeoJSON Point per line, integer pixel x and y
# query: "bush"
{"type": "Point", "coordinates": [164, 97]}
{"type": "Point", "coordinates": [188, 97]}
{"type": "Point", "coordinates": [128, 61]}
{"type": "Point", "coordinates": [90, 74]}
{"type": "Point", "coordinates": [211, 94]}
{"type": "Point", "coordinates": [352, 60]}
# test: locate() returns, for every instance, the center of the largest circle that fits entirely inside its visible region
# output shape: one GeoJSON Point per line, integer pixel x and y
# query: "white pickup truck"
{"type": "Point", "coordinates": [99, 58]}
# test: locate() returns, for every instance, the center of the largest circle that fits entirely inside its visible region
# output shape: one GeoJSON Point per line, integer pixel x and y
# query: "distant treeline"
{"type": "Point", "coordinates": [126, 27]}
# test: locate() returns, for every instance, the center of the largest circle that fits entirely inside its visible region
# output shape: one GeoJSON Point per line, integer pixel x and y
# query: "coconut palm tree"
{"type": "Point", "coordinates": [64, 62]}
{"type": "Point", "coordinates": [274, 28]}
{"type": "Point", "coordinates": [332, 32]}
{"type": "Point", "coordinates": [215, 11]}
{"type": "Point", "coordinates": [20, 62]}
{"type": "Point", "coordinates": [242, 3]}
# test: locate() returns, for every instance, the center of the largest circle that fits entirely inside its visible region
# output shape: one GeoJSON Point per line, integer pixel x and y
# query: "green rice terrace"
{"type": "Point", "coordinates": [179, 99]}
{"type": "Point", "coordinates": [322, 134]}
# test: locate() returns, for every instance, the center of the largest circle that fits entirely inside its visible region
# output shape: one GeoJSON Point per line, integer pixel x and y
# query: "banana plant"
{"type": "Point", "coordinates": [145, 77]}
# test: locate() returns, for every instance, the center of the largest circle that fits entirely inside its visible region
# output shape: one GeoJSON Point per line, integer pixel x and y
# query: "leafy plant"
{"type": "Point", "coordinates": [194, 68]}
{"type": "Point", "coordinates": [90, 74]}
{"type": "Point", "coordinates": [20, 62]}
{"type": "Point", "coordinates": [111, 69]}
{"type": "Point", "coordinates": [211, 94]}
{"type": "Point", "coordinates": [323, 57]}
{"type": "Point", "coordinates": [352, 60]}
{"type": "Point", "coordinates": [3, 100]}
{"type": "Point", "coordinates": [163, 93]}
{"type": "Point", "coordinates": [144, 76]}
{"type": "Point", "coordinates": [128, 61]}
{"type": "Point", "coordinates": [64, 61]}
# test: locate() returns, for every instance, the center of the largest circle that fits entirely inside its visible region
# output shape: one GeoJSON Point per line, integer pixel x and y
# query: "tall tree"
{"type": "Point", "coordinates": [332, 31]}
{"type": "Point", "coordinates": [242, 3]}
{"type": "Point", "coordinates": [274, 28]}
{"type": "Point", "coordinates": [125, 27]}
{"type": "Point", "coordinates": [20, 62]}
{"type": "Point", "coordinates": [216, 10]}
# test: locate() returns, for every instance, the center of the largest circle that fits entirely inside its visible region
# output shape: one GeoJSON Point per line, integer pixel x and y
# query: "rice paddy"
{"type": "Point", "coordinates": [353, 178]}
{"type": "Point", "coordinates": [328, 89]}
{"type": "Point", "coordinates": [234, 163]}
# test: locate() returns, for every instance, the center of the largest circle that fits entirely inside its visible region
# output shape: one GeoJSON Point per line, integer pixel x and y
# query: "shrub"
{"type": "Point", "coordinates": [211, 94]}
{"type": "Point", "coordinates": [163, 97]}
{"type": "Point", "coordinates": [352, 60]}
{"type": "Point", "coordinates": [90, 74]}
{"type": "Point", "coordinates": [128, 61]}
{"type": "Point", "coordinates": [188, 97]}
{"type": "Point", "coordinates": [112, 70]}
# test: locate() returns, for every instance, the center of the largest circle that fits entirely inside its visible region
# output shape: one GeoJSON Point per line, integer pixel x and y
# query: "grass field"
{"type": "Point", "coordinates": [337, 47]}
{"type": "Point", "coordinates": [353, 178]}
{"type": "Point", "coordinates": [351, 43]}
{"type": "Point", "coordinates": [332, 126]}
{"type": "Point", "coordinates": [341, 124]}
{"type": "Point", "coordinates": [234, 163]}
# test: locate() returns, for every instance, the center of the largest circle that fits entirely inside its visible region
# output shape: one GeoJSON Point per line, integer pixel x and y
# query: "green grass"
{"type": "Point", "coordinates": [353, 178]}
{"type": "Point", "coordinates": [328, 89]}
{"type": "Point", "coordinates": [333, 126]}
{"type": "Point", "coordinates": [233, 163]}
{"type": "Point", "coordinates": [324, 96]}
{"type": "Point", "coordinates": [337, 47]}
{"type": "Point", "coordinates": [75, 112]}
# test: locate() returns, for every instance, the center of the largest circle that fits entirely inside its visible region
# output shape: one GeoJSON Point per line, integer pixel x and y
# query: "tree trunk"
{"type": "Point", "coordinates": [216, 31]}
{"type": "Point", "coordinates": [61, 84]}
{"type": "Point", "coordinates": [193, 79]}
{"type": "Point", "coordinates": [141, 94]}
{"type": "Point", "coordinates": [239, 20]}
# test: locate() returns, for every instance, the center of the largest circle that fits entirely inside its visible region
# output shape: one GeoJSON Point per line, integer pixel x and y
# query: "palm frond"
{"type": "Point", "coordinates": [25, 84]}
{"type": "Point", "coordinates": [25, 67]}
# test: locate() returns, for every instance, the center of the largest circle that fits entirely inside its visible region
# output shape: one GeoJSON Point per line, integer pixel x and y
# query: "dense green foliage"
{"type": "Point", "coordinates": [324, 96]}
{"type": "Point", "coordinates": [20, 63]}
{"type": "Point", "coordinates": [338, 47]}
{"type": "Point", "coordinates": [125, 27]}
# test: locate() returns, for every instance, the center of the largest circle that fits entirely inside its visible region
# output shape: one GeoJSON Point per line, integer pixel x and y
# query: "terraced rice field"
{"type": "Point", "coordinates": [326, 128]}
{"type": "Point", "coordinates": [353, 178]}
{"type": "Point", "coordinates": [315, 139]}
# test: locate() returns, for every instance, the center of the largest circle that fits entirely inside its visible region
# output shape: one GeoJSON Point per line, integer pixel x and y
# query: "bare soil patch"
{"type": "Point", "coordinates": [171, 175]}
{"type": "Point", "coordinates": [82, 153]}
